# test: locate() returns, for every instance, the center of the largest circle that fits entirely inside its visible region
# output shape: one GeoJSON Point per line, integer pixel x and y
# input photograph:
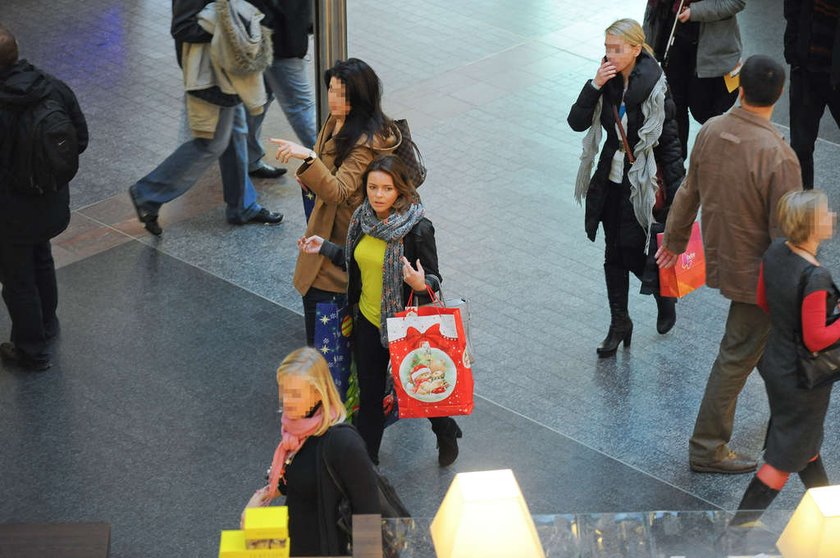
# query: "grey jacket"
{"type": "Point", "coordinates": [719, 45]}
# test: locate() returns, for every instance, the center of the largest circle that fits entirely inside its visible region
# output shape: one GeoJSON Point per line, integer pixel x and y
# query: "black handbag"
{"type": "Point", "coordinates": [389, 502]}
{"type": "Point", "coordinates": [410, 155]}
{"type": "Point", "coordinates": [815, 368]}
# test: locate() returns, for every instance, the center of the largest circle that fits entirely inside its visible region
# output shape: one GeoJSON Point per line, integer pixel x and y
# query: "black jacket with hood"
{"type": "Point", "coordinates": [30, 219]}
{"type": "Point", "coordinates": [667, 152]}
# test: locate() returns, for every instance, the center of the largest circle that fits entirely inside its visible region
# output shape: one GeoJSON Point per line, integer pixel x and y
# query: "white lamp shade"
{"type": "Point", "coordinates": [484, 514]}
{"type": "Point", "coordinates": [814, 528]}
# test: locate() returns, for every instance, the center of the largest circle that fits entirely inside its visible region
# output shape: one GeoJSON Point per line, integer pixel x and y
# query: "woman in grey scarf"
{"type": "Point", "coordinates": [390, 252]}
{"type": "Point", "coordinates": [629, 86]}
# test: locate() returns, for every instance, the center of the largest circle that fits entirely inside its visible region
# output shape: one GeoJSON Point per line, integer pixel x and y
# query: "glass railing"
{"type": "Point", "coordinates": [686, 534]}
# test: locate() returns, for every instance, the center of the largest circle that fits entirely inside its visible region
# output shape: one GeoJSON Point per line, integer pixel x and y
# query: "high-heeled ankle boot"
{"type": "Point", "coordinates": [814, 475]}
{"type": "Point", "coordinates": [447, 432]}
{"type": "Point", "coordinates": [666, 313]}
{"type": "Point", "coordinates": [621, 330]}
{"type": "Point", "coordinates": [756, 499]}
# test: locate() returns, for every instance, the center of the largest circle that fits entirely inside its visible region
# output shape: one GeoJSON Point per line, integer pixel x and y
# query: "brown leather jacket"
{"type": "Point", "coordinates": [738, 170]}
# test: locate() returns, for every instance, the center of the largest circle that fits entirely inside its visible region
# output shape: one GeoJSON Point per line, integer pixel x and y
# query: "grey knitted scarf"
{"type": "Point", "coordinates": [642, 173]}
{"type": "Point", "coordinates": [392, 230]}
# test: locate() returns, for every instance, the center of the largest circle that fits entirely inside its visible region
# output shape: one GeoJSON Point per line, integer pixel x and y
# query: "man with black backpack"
{"type": "Point", "coordinates": [42, 133]}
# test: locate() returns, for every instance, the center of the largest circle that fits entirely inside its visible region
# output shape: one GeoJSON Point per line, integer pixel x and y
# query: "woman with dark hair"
{"type": "Point", "coordinates": [629, 99]}
{"type": "Point", "coordinates": [354, 133]}
{"type": "Point", "coordinates": [387, 233]}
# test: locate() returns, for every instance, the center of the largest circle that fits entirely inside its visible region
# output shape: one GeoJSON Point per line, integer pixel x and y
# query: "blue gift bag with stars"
{"type": "Point", "coordinates": [333, 326]}
{"type": "Point", "coordinates": [308, 202]}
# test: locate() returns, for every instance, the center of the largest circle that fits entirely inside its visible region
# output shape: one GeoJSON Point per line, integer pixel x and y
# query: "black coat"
{"type": "Point", "coordinates": [313, 497]}
{"type": "Point", "coordinates": [32, 219]}
{"type": "Point", "coordinates": [290, 22]}
{"type": "Point", "coordinates": [798, 15]}
{"type": "Point", "coordinates": [419, 243]}
{"type": "Point", "coordinates": [185, 27]}
{"type": "Point", "coordinates": [668, 152]}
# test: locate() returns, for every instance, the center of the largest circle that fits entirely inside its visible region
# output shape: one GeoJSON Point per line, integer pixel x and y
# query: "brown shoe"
{"type": "Point", "coordinates": [733, 464]}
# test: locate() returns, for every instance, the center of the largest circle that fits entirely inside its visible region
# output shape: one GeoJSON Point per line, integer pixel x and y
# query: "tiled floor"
{"type": "Point", "coordinates": [163, 383]}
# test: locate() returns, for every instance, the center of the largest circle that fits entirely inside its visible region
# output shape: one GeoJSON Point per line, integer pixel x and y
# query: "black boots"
{"type": "Point", "coordinates": [756, 499]}
{"type": "Point", "coordinates": [813, 476]}
{"type": "Point", "coordinates": [621, 330]}
{"type": "Point", "coordinates": [447, 432]}
{"type": "Point", "coordinates": [666, 313]}
{"type": "Point", "coordinates": [621, 327]}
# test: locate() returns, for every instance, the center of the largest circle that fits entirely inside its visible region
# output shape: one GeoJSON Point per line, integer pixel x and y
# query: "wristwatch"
{"type": "Point", "coordinates": [312, 156]}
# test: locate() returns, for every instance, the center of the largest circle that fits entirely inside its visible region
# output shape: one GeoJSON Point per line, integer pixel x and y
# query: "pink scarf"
{"type": "Point", "coordinates": [293, 433]}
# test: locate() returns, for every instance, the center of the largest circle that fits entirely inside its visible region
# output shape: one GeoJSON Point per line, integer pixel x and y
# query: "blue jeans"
{"type": "Point", "coordinates": [178, 172]}
{"type": "Point", "coordinates": [288, 81]}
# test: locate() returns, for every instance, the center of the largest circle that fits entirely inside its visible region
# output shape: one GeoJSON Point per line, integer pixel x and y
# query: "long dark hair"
{"type": "Point", "coordinates": [364, 93]}
{"type": "Point", "coordinates": [392, 165]}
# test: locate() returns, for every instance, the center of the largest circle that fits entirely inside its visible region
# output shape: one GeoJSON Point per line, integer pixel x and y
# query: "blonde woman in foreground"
{"type": "Point", "coordinates": [311, 438]}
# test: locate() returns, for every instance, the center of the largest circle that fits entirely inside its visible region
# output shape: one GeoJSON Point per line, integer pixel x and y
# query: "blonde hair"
{"type": "Point", "coordinates": [631, 32]}
{"type": "Point", "coordinates": [308, 364]}
{"type": "Point", "coordinates": [797, 213]}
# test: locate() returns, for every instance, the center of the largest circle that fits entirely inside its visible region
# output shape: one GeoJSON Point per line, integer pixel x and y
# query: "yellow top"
{"type": "Point", "coordinates": [370, 257]}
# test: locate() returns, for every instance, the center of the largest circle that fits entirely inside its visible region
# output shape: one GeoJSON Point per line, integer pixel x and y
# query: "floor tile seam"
{"type": "Point", "coordinates": [596, 450]}
{"type": "Point", "coordinates": [141, 241]}
{"type": "Point", "coordinates": [217, 276]}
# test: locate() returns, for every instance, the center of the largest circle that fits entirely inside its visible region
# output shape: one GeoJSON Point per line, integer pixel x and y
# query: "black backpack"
{"type": "Point", "coordinates": [46, 150]}
{"type": "Point", "coordinates": [389, 502]}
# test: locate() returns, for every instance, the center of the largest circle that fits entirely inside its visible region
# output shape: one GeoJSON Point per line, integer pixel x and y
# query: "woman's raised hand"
{"type": "Point", "coordinates": [310, 245]}
{"type": "Point", "coordinates": [289, 150]}
{"type": "Point", "coordinates": [606, 71]}
{"type": "Point", "coordinates": [415, 278]}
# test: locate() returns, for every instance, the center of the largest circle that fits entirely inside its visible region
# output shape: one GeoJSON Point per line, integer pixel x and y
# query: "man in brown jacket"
{"type": "Point", "coordinates": [740, 166]}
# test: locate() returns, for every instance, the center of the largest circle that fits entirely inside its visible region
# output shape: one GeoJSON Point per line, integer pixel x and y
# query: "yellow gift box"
{"type": "Point", "coordinates": [270, 522]}
{"type": "Point", "coordinates": [233, 545]}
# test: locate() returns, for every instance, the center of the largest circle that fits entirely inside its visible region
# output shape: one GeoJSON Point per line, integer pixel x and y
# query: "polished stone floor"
{"type": "Point", "coordinates": [159, 414]}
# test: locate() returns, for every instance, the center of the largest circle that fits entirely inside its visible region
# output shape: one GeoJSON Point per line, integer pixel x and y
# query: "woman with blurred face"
{"type": "Point", "coordinates": [311, 411]}
{"type": "Point", "coordinates": [801, 298]}
{"type": "Point", "coordinates": [355, 132]}
{"type": "Point", "coordinates": [629, 87]}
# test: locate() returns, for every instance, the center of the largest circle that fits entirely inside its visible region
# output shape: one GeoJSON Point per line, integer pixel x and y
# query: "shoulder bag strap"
{"type": "Point", "coordinates": [330, 471]}
{"type": "Point", "coordinates": [623, 135]}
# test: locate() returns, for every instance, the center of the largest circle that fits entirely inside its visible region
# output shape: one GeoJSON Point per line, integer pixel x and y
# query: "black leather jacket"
{"type": "Point", "coordinates": [419, 243]}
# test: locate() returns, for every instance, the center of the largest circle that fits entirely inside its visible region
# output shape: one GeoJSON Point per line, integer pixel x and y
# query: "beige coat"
{"type": "Point", "coordinates": [336, 201]}
{"type": "Point", "coordinates": [739, 168]}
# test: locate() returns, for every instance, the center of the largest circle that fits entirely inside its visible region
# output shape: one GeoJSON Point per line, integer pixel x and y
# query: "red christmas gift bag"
{"type": "Point", "coordinates": [689, 273]}
{"type": "Point", "coordinates": [430, 362]}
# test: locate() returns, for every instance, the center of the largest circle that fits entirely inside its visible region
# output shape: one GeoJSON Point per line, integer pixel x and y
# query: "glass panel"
{"type": "Point", "coordinates": [668, 534]}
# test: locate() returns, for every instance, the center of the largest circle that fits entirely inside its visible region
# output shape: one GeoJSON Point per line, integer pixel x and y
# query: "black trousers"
{"type": "Point", "coordinates": [371, 366]}
{"type": "Point", "coordinates": [31, 295]}
{"type": "Point", "coordinates": [810, 93]}
{"type": "Point", "coordinates": [310, 302]}
{"type": "Point", "coordinates": [705, 97]}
